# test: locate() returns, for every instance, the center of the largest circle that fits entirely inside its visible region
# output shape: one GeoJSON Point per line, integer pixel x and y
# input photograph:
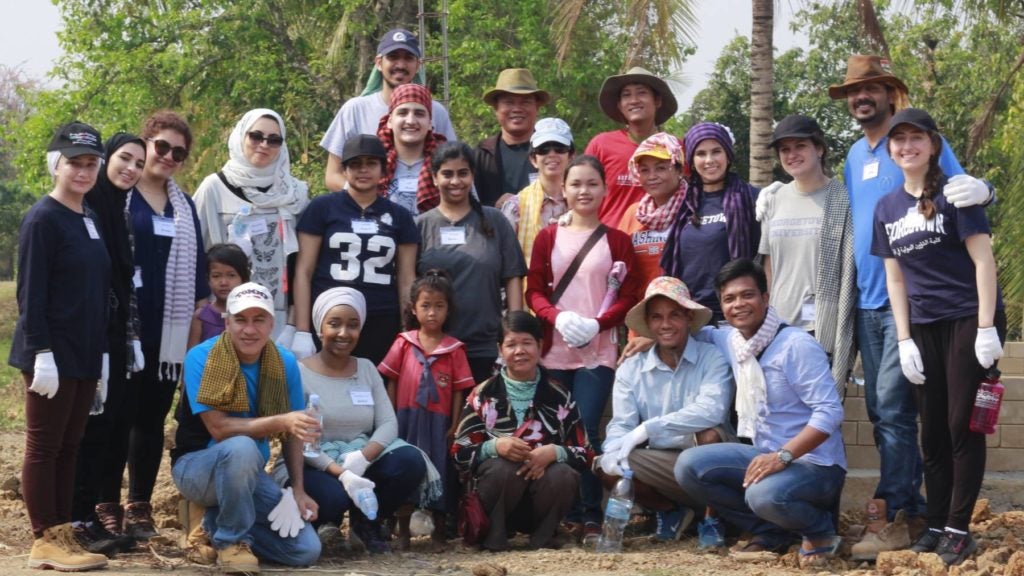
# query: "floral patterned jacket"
{"type": "Point", "coordinates": [552, 418]}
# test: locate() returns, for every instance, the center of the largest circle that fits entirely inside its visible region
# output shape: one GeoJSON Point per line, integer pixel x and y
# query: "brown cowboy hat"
{"type": "Point", "coordinates": [861, 69]}
{"type": "Point", "coordinates": [516, 81]}
{"type": "Point", "coordinates": [612, 87]}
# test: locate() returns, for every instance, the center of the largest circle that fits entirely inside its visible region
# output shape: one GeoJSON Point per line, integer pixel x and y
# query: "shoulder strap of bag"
{"type": "Point", "coordinates": [574, 266]}
{"type": "Point", "coordinates": [234, 189]}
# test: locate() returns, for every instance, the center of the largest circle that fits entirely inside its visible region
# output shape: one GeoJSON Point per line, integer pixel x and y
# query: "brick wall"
{"type": "Point", "coordinates": [1005, 446]}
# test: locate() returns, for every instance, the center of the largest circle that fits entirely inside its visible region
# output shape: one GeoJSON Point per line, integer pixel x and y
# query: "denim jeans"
{"type": "Point", "coordinates": [800, 498]}
{"type": "Point", "coordinates": [229, 479]}
{"type": "Point", "coordinates": [889, 397]}
{"type": "Point", "coordinates": [590, 389]}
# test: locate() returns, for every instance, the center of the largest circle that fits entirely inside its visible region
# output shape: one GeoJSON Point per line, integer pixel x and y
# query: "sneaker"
{"type": "Point", "coordinates": [368, 533]}
{"type": "Point", "coordinates": [94, 538]}
{"type": "Point", "coordinates": [238, 559]}
{"type": "Point", "coordinates": [710, 534]}
{"type": "Point", "coordinates": [954, 548]}
{"type": "Point", "coordinates": [138, 521]}
{"type": "Point", "coordinates": [672, 523]}
{"type": "Point", "coordinates": [591, 533]}
{"type": "Point", "coordinates": [59, 550]}
{"type": "Point", "coordinates": [893, 536]}
{"type": "Point", "coordinates": [928, 541]}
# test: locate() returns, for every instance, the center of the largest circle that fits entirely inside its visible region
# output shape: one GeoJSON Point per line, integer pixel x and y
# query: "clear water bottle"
{"type": "Point", "coordinates": [616, 514]}
{"type": "Point", "coordinates": [366, 500]}
{"type": "Point", "coordinates": [312, 449]}
{"type": "Point", "coordinates": [987, 402]}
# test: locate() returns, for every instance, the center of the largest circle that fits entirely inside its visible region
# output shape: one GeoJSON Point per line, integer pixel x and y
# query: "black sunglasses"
{"type": "Point", "coordinates": [162, 147]}
{"type": "Point", "coordinates": [273, 140]}
{"type": "Point", "coordinates": [545, 149]}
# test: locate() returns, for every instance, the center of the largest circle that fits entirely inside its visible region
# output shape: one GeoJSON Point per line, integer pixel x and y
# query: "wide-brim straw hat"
{"type": "Point", "coordinates": [516, 81]}
{"type": "Point", "coordinates": [675, 290]}
{"type": "Point", "coordinates": [862, 68]}
{"type": "Point", "coordinates": [612, 87]}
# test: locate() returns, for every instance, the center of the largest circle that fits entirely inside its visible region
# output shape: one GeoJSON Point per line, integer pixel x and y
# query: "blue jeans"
{"type": "Point", "coordinates": [590, 389]}
{"type": "Point", "coordinates": [228, 479]}
{"type": "Point", "coordinates": [800, 498]}
{"type": "Point", "coordinates": [889, 397]}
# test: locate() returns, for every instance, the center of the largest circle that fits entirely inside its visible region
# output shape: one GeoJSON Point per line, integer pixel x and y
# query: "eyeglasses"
{"type": "Point", "coordinates": [162, 147]}
{"type": "Point", "coordinates": [273, 140]}
{"type": "Point", "coordinates": [547, 148]}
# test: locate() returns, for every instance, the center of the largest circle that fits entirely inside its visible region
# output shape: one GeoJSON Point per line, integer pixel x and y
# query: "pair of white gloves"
{"type": "Point", "coordinates": [576, 330]}
{"type": "Point", "coordinates": [987, 350]}
{"type": "Point", "coordinates": [617, 456]}
{"type": "Point", "coordinates": [46, 380]}
{"type": "Point", "coordinates": [300, 343]}
{"type": "Point", "coordinates": [286, 518]}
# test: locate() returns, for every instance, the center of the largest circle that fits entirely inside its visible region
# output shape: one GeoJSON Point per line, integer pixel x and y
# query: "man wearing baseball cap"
{"type": "Point", "coordinates": [240, 391]}
{"type": "Point", "coordinates": [670, 398]}
{"type": "Point", "coordinates": [397, 62]}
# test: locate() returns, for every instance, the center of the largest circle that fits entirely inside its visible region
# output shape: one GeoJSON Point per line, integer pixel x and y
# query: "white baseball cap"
{"type": "Point", "coordinates": [250, 295]}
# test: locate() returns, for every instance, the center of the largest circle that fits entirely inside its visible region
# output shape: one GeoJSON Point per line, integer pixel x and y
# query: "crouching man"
{"type": "Point", "coordinates": [242, 390]}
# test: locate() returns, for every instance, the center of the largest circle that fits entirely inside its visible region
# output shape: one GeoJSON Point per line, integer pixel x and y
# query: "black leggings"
{"type": "Point", "coordinates": [146, 441]}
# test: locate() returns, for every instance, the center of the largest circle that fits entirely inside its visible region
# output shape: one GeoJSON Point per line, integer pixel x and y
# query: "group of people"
{"type": "Point", "coordinates": [721, 320]}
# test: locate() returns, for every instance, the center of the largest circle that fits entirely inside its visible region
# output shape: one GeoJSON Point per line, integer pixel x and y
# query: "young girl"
{"type": "Point", "coordinates": [579, 349]}
{"type": "Point", "coordinates": [227, 266]}
{"type": "Point", "coordinates": [427, 400]}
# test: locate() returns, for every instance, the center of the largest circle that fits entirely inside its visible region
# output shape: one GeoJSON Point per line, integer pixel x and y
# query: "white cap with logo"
{"type": "Point", "coordinates": [250, 295]}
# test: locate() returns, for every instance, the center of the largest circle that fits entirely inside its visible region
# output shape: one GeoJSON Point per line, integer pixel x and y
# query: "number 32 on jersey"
{"type": "Point", "coordinates": [351, 246]}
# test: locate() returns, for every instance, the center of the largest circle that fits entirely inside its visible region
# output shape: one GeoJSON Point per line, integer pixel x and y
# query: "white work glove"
{"type": "Point", "coordinates": [138, 359]}
{"type": "Point", "coordinates": [356, 463]}
{"type": "Point", "coordinates": [635, 438]}
{"type": "Point", "coordinates": [963, 190]}
{"type": "Point", "coordinates": [910, 361]}
{"type": "Point", "coordinates": [987, 347]}
{"type": "Point", "coordinates": [104, 378]}
{"type": "Point", "coordinates": [353, 484]}
{"type": "Point", "coordinates": [302, 345]}
{"type": "Point", "coordinates": [44, 375]}
{"type": "Point", "coordinates": [285, 518]}
{"type": "Point", "coordinates": [765, 200]}
{"type": "Point", "coordinates": [286, 337]}
{"type": "Point", "coordinates": [610, 464]}
{"type": "Point", "coordinates": [569, 326]}
{"type": "Point", "coordinates": [590, 328]}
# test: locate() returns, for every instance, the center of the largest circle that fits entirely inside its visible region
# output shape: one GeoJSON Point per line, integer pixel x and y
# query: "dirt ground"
{"type": "Point", "coordinates": [999, 537]}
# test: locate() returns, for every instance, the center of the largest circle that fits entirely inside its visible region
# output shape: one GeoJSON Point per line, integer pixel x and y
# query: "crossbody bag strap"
{"type": "Point", "coordinates": [574, 266]}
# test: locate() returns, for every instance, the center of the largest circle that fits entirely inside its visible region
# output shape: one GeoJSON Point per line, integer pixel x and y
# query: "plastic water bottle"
{"type": "Point", "coordinates": [616, 515]}
{"type": "Point", "coordinates": [987, 402]}
{"type": "Point", "coordinates": [366, 500]}
{"type": "Point", "coordinates": [312, 449]}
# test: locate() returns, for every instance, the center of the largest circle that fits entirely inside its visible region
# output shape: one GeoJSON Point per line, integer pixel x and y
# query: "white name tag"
{"type": "Point", "coordinates": [164, 226]}
{"type": "Point", "coordinates": [361, 397]}
{"type": "Point", "coordinates": [453, 235]}
{"type": "Point", "coordinates": [257, 227]}
{"type": "Point", "coordinates": [808, 312]}
{"type": "Point", "coordinates": [364, 226]}
{"type": "Point", "coordinates": [407, 184]}
{"type": "Point", "coordinates": [137, 277]}
{"type": "Point", "coordinates": [90, 227]}
{"type": "Point", "coordinates": [870, 170]}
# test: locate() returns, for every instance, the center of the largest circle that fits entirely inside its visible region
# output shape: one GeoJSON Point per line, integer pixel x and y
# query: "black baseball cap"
{"type": "Point", "coordinates": [915, 117]}
{"type": "Point", "coordinates": [398, 39]}
{"type": "Point", "coordinates": [795, 126]}
{"type": "Point", "coordinates": [76, 139]}
{"type": "Point", "coordinates": [362, 145]}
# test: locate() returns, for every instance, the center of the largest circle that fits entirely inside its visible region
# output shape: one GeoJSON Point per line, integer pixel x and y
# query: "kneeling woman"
{"type": "Point", "coordinates": [521, 439]}
{"type": "Point", "coordinates": [359, 438]}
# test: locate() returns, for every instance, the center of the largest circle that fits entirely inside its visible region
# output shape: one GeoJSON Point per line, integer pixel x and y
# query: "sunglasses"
{"type": "Point", "coordinates": [162, 147]}
{"type": "Point", "coordinates": [545, 149]}
{"type": "Point", "coordinates": [256, 138]}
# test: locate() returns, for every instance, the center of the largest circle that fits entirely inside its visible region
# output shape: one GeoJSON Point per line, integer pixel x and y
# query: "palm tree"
{"type": "Point", "coordinates": [761, 95]}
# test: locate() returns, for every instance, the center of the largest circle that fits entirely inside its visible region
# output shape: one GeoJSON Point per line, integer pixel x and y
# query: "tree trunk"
{"type": "Point", "coordinates": [761, 97]}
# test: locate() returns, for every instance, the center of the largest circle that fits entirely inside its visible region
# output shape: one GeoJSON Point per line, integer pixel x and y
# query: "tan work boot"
{"type": "Point", "coordinates": [892, 536]}
{"type": "Point", "coordinates": [58, 550]}
{"type": "Point", "coordinates": [194, 539]}
{"type": "Point", "coordinates": [238, 559]}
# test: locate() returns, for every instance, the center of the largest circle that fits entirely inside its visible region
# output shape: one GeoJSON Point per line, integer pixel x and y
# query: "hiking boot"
{"type": "Point", "coordinates": [59, 550]}
{"type": "Point", "coordinates": [111, 516]}
{"type": "Point", "coordinates": [893, 536]}
{"type": "Point", "coordinates": [138, 521]}
{"type": "Point", "coordinates": [195, 541]}
{"type": "Point", "coordinates": [916, 527]}
{"type": "Point", "coordinates": [368, 533]}
{"type": "Point", "coordinates": [954, 548]}
{"type": "Point", "coordinates": [710, 534]}
{"type": "Point", "coordinates": [672, 523]}
{"type": "Point", "coordinates": [94, 538]}
{"type": "Point", "coordinates": [328, 534]}
{"type": "Point", "coordinates": [928, 541]}
{"type": "Point", "coordinates": [875, 515]}
{"type": "Point", "coordinates": [238, 559]}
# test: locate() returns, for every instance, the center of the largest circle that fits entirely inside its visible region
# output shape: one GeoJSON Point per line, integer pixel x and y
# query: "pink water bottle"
{"type": "Point", "coordinates": [987, 403]}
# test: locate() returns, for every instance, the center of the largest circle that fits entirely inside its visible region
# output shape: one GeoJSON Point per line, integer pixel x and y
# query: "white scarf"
{"type": "Point", "coordinates": [751, 391]}
{"type": "Point", "coordinates": [179, 285]}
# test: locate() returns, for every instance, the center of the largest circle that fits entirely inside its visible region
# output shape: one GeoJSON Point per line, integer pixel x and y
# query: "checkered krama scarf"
{"type": "Point", "coordinates": [648, 213]}
{"type": "Point", "coordinates": [223, 387]}
{"type": "Point", "coordinates": [427, 196]}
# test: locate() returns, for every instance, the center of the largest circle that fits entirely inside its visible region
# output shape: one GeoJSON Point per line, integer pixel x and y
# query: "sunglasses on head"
{"type": "Point", "coordinates": [273, 140]}
{"type": "Point", "coordinates": [162, 147]}
{"type": "Point", "coordinates": [545, 149]}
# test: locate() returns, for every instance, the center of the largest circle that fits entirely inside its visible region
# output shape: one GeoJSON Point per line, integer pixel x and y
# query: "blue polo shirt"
{"type": "Point", "coordinates": [866, 188]}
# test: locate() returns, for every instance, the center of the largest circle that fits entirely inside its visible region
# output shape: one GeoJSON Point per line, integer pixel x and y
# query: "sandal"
{"type": "Point", "coordinates": [819, 557]}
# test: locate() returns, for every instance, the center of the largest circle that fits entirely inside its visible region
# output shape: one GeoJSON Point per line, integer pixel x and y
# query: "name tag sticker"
{"type": "Point", "coordinates": [137, 277]}
{"type": "Point", "coordinates": [90, 227]}
{"type": "Point", "coordinates": [407, 184]}
{"type": "Point", "coordinates": [257, 227]}
{"type": "Point", "coordinates": [364, 226]}
{"type": "Point", "coordinates": [361, 397]}
{"type": "Point", "coordinates": [453, 235]}
{"type": "Point", "coordinates": [163, 226]}
{"type": "Point", "coordinates": [808, 312]}
{"type": "Point", "coordinates": [870, 170]}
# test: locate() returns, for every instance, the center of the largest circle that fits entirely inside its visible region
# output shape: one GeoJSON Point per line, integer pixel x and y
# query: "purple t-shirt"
{"type": "Point", "coordinates": [937, 270]}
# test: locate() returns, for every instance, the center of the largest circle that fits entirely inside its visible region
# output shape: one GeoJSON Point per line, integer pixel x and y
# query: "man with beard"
{"type": "Point", "coordinates": [398, 60]}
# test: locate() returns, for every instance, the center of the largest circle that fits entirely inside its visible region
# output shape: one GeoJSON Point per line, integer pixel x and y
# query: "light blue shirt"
{"type": "Point", "coordinates": [800, 392]}
{"type": "Point", "coordinates": [673, 404]}
{"type": "Point", "coordinates": [864, 194]}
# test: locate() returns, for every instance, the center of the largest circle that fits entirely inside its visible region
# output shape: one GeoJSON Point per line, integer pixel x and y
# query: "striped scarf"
{"type": "Point", "coordinates": [179, 285]}
{"type": "Point", "coordinates": [835, 289]}
{"type": "Point", "coordinates": [223, 386]}
{"type": "Point", "coordinates": [659, 218]}
{"type": "Point", "coordinates": [751, 389]}
{"type": "Point", "coordinates": [427, 196]}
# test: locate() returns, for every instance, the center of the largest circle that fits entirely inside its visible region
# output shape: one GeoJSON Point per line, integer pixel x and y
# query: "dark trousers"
{"type": "Point", "coordinates": [954, 457]}
{"type": "Point", "coordinates": [377, 336]}
{"type": "Point", "coordinates": [54, 427]}
{"type": "Point", "coordinates": [146, 441]}
{"type": "Point", "coordinates": [482, 368]}
{"type": "Point", "coordinates": [515, 504]}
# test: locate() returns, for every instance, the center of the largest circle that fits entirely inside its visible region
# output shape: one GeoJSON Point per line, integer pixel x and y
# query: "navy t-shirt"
{"type": "Point", "coordinates": [937, 270]}
{"type": "Point", "coordinates": [704, 250]}
{"type": "Point", "coordinates": [358, 247]}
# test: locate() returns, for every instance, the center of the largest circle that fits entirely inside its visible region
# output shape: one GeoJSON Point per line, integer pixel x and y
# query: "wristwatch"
{"type": "Point", "coordinates": [785, 456]}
